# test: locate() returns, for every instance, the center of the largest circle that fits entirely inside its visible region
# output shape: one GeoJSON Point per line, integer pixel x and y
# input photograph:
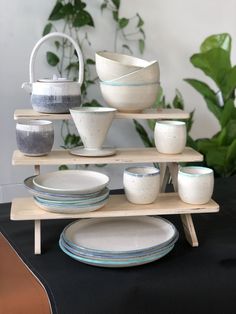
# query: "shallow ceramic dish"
{"type": "Point", "coordinates": [35, 190]}
{"type": "Point", "coordinates": [132, 98]}
{"type": "Point", "coordinates": [85, 152]}
{"type": "Point", "coordinates": [72, 181]}
{"type": "Point", "coordinates": [145, 75]}
{"type": "Point", "coordinates": [113, 263]}
{"type": "Point", "coordinates": [71, 209]}
{"type": "Point", "coordinates": [83, 201]}
{"type": "Point", "coordinates": [117, 256]}
{"type": "Point", "coordinates": [125, 234]}
{"type": "Point", "coordinates": [112, 65]}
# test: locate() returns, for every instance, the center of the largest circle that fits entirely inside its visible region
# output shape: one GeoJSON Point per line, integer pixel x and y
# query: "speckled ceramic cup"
{"type": "Point", "coordinates": [141, 184]}
{"type": "Point", "coordinates": [195, 184]}
{"type": "Point", "coordinates": [34, 137]}
{"type": "Point", "coordinates": [170, 136]}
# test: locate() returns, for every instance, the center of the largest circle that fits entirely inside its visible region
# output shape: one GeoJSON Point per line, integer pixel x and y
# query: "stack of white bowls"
{"type": "Point", "coordinates": [127, 83]}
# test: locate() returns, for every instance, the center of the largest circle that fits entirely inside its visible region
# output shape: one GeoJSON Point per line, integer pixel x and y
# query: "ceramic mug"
{"type": "Point", "coordinates": [170, 136]}
{"type": "Point", "coordinates": [141, 184]}
{"type": "Point", "coordinates": [34, 137]}
{"type": "Point", "coordinates": [195, 184]}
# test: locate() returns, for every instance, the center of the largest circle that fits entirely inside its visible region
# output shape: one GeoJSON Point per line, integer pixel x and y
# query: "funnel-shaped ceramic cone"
{"type": "Point", "coordinates": [93, 124]}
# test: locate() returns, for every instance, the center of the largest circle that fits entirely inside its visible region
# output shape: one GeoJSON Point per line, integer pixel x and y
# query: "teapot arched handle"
{"type": "Point", "coordinates": [42, 40]}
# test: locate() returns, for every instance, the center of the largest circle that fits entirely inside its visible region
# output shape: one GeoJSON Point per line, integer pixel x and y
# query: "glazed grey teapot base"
{"type": "Point", "coordinates": [55, 104]}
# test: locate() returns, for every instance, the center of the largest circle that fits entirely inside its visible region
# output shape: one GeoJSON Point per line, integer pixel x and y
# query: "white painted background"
{"type": "Point", "coordinates": [174, 32]}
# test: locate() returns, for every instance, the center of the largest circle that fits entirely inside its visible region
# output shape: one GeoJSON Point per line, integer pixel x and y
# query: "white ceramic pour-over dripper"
{"type": "Point", "coordinates": [92, 124]}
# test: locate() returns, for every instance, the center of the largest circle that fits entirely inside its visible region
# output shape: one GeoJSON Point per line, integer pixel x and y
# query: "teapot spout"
{"type": "Point", "coordinates": [27, 86]}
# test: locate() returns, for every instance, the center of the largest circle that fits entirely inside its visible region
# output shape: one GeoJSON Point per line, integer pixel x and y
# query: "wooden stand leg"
{"type": "Point", "coordinates": [173, 169]}
{"type": "Point", "coordinates": [164, 176]}
{"type": "Point", "coordinates": [189, 229]}
{"type": "Point", "coordinates": [36, 170]}
{"type": "Point", "coordinates": [37, 237]}
{"type": "Point", "coordinates": [186, 219]}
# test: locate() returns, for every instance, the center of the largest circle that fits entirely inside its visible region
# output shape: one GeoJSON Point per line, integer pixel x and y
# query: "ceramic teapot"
{"type": "Point", "coordinates": [56, 95]}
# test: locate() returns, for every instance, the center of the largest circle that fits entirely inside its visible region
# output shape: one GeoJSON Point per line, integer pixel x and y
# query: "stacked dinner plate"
{"type": "Point", "coordinates": [118, 242]}
{"type": "Point", "coordinates": [69, 191]}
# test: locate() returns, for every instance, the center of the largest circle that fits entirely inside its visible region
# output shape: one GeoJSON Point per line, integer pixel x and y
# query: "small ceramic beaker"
{"type": "Point", "coordinates": [34, 137]}
{"type": "Point", "coordinates": [195, 184]}
{"type": "Point", "coordinates": [141, 184]}
{"type": "Point", "coordinates": [170, 136]}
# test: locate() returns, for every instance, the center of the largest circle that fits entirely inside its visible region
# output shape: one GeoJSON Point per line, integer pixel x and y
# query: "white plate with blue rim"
{"type": "Point", "coordinates": [129, 237]}
{"type": "Point", "coordinates": [72, 181]}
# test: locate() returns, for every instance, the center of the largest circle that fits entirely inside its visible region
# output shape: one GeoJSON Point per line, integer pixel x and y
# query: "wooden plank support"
{"type": "Point", "coordinates": [36, 170]}
{"type": "Point", "coordinates": [173, 170]}
{"type": "Point", "coordinates": [151, 113]}
{"type": "Point", "coordinates": [186, 219]}
{"type": "Point", "coordinates": [164, 172]}
{"type": "Point", "coordinates": [37, 237]}
{"type": "Point", "coordinates": [189, 229]}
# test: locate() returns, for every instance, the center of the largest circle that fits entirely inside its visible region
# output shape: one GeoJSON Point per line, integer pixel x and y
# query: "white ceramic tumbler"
{"type": "Point", "coordinates": [141, 184]}
{"type": "Point", "coordinates": [195, 184]}
{"type": "Point", "coordinates": [170, 136]}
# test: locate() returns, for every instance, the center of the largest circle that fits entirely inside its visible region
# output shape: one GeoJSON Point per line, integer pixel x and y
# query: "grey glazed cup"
{"type": "Point", "coordinates": [34, 137]}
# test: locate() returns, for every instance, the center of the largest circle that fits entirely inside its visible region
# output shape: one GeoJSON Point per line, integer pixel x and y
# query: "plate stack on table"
{"type": "Point", "coordinates": [118, 242]}
{"type": "Point", "coordinates": [69, 191]}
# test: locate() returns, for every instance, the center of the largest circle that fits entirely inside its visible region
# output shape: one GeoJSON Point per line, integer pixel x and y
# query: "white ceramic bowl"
{"type": "Point", "coordinates": [147, 74]}
{"type": "Point", "coordinates": [111, 65]}
{"type": "Point", "coordinates": [92, 124]}
{"type": "Point", "coordinates": [170, 136]}
{"type": "Point", "coordinates": [195, 184]}
{"type": "Point", "coordinates": [141, 184]}
{"type": "Point", "coordinates": [129, 98]}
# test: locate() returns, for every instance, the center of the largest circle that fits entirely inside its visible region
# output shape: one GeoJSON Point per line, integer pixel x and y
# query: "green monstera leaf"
{"type": "Point", "coordinates": [215, 63]}
{"type": "Point", "coordinates": [217, 41]}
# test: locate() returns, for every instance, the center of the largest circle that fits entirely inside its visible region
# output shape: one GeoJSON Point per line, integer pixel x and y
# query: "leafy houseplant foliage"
{"type": "Point", "coordinates": [214, 60]}
{"type": "Point", "coordinates": [73, 18]}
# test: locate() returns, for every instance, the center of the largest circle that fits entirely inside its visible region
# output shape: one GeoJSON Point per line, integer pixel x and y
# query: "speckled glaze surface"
{"type": "Point", "coordinates": [129, 98]}
{"type": "Point", "coordinates": [170, 136]}
{"type": "Point", "coordinates": [54, 104]}
{"type": "Point", "coordinates": [93, 124]}
{"type": "Point", "coordinates": [195, 184]}
{"type": "Point", "coordinates": [112, 65]}
{"type": "Point", "coordinates": [147, 74]}
{"type": "Point", "coordinates": [141, 184]}
{"type": "Point", "coordinates": [35, 137]}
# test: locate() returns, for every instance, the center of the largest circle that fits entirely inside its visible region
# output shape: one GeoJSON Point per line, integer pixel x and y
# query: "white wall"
{"type": "Point", "coordinates": [174, 32]}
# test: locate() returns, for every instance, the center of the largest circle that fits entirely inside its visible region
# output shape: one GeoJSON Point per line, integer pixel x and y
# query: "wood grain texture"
{"type": "Point", "coordinates": [146, 114]}
{"type": "Point", "coordinates": [117, 206]}
{"type": "Point", "coordinates": [189, 229]}
{"type": "Point", "coordinates": [123, 155]}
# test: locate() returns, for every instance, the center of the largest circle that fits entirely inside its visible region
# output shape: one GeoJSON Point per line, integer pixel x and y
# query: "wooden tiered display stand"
{"type": "Point", "coordinates": [117, 206]}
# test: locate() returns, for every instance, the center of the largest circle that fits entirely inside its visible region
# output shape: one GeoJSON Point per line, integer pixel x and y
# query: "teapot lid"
{"type": "Point", "coordinates": [55, 79]}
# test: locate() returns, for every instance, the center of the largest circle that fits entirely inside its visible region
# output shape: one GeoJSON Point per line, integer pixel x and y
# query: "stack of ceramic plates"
{"type": "Point", "coordinates": [69, 191]}
{"type": "Point", "coordinates": [118, 242]}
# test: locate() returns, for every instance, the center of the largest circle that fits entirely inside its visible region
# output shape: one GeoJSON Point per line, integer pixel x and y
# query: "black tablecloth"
{"type": "Point", "coordinates": [188, 280]}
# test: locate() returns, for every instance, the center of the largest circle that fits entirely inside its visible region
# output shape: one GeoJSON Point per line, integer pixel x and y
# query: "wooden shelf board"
{"type": "Point", "coordinates": [117, 206]}
{"type": "Point", "coordinates": [146, 114]}
{"type": "Point", "coordinates": [123, 155]}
